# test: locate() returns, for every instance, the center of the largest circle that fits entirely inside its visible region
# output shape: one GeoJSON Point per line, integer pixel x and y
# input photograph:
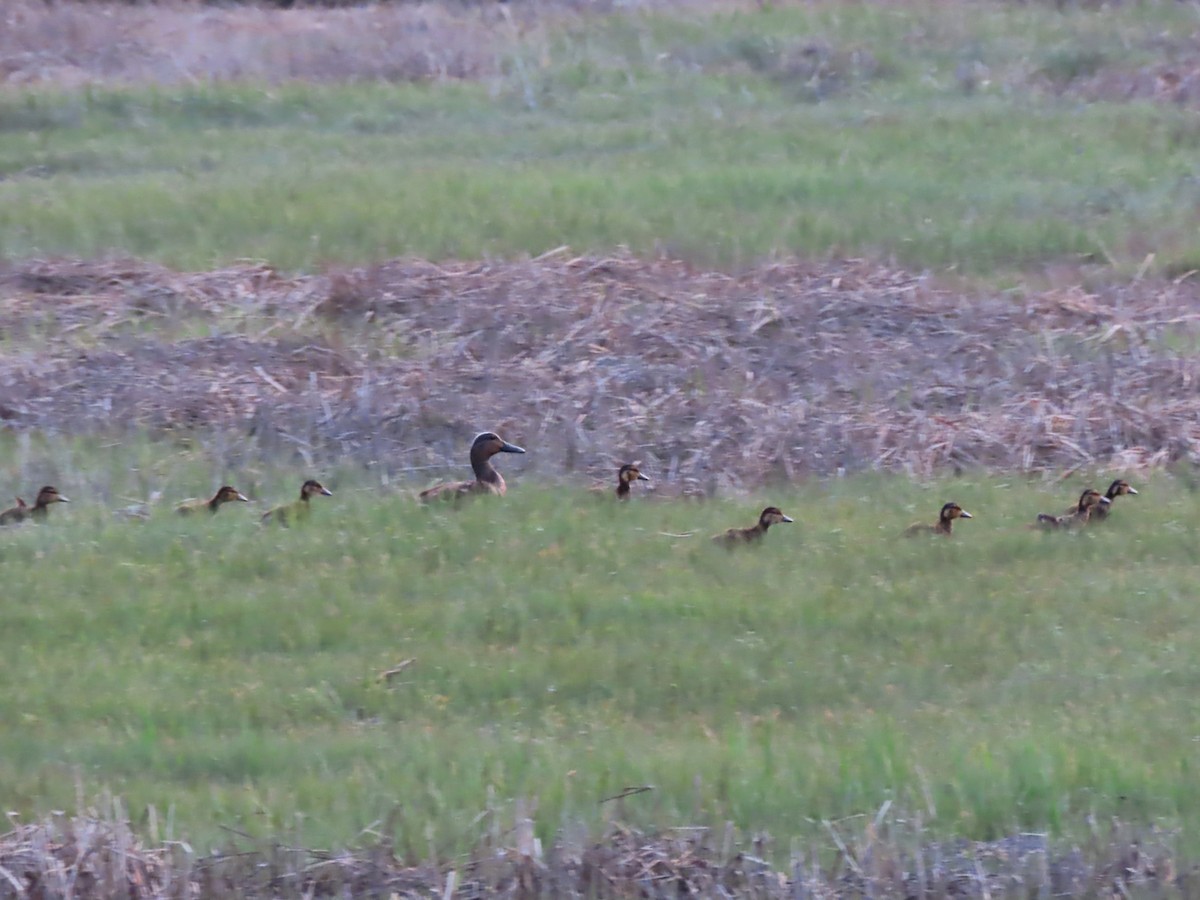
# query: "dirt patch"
{"type": "Point", "coordinates": [715, 380]}
{"type": "Point", "coordinates": [89, 858]}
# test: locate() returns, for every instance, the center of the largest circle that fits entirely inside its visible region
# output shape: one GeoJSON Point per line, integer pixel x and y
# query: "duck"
{"type": "Point", "coordinates": [626, 475]}
{"type": "Point", "coordinates": [226, 494]}
{"type": "Point", "coordinates": [944, 525]}
{"type": "Point", "coordinates": [734, 537]}
{"type": "Point", "coordinates": [1080, 516]}
{"type": "Point", "coordinates": [38, 512]}
{"type": "Point", "coordinates": [15, 514]}
{"type": "Point", "coordinates": [297, 510]}
{"type": "Point", "coordinates": [487, 480]}
{"type": "Point", "coordinates": [41, 506]}
{"type": "Point", "coordinates": [1101, 511]}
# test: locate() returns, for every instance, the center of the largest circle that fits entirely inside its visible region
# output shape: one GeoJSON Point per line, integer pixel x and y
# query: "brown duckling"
{"type": "Point", "coordinates": [626, 475]}
{"type": "Point", "coordinates": [15, 514]}
{"type": "Point", "coordinates": [297, 510]}
{"type": "Point", "coordinates": [1100, 511]}
{"type": "Point", "coordinates": [225, 495]}
{"type": "Point", "coordinates": [38, 511]}
{"type": "Point", "coordinates": [772, 515]}
{"type": "Point", "coordinates": [944, 524]}
{"type": "Point", "coordinates": [41, 506]}
{"type": "Point", "coordinates": [487, 479]}
{"type": "Point", "coordinates": [1088, 501]}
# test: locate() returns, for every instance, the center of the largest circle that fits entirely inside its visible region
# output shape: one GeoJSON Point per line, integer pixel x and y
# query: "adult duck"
{"type": "Point", "coordinates": [487, 479]}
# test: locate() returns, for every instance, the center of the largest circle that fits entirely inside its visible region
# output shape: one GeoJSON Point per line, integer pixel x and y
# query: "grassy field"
{"type": "Point", "coordinates": [944, 136]}
{"type": "Point", "coordinates": [212, 673]}
{"type": "Point", "coordinates": [564, 648]}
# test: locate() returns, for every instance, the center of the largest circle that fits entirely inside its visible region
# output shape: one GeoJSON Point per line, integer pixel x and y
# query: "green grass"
{"type": "Point", "coordinates": [565, 649]}
{"type": "Point", "coordinates": [707, 137]}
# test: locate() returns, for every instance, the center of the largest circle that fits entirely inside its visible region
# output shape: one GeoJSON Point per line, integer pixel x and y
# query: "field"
{"type": "Point", "coordinates": [852, 259]}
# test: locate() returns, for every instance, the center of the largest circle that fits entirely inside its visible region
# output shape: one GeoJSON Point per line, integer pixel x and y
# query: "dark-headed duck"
{"type": "Point", "coordinates": [225, 495]}
{"type": "Point", "coordinates": [626, 475]}
{"type": "Point", "coordinates": [944, 524]}
{"type": "Point", "coordinates": [297, 510]}
{"type": "Point", "coordinates": [487, 479]}
{"type": "Point", "coordinates": [1081, 515]}
{"type": "Point", "coordinates": [734, 537]}
{"type": "Point", "coordinates": [1100, 511]}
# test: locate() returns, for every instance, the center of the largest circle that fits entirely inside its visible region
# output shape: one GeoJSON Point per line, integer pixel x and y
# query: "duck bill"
{"type": "Point", "coordinates": [787, 519]}
{"type": "Point", "coordinates": [642, 477]}
{"type": "Point", "coordinates": [1132, 491]}
{"type": "Point", "coordinates": [326, 492]}
{"type": "Point", "coordinates": [506, 447]}
{"type": "Point", "coordinates": [243, 498]}
{"type": "Point", "coordinates": [62, 498]}
{"type": "Point", "coordinates": [965, 515]}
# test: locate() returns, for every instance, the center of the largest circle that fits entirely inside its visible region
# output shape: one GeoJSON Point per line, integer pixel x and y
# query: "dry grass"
{"type": "Point", "coordinates": [74, 44]}
{"type": "Point", "coordinates": [71, 45]}
{"type": "Point", "coordinates": [92, 857]}
{"type": "Point", "coordinates": [718, 380]}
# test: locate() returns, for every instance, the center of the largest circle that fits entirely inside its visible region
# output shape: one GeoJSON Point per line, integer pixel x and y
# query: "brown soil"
{"type": "Point", "coordinates": [713, 379]}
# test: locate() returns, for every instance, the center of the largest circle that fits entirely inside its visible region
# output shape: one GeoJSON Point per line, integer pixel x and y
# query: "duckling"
{"type": "Point", "coordinates": [297, 510]}
{"type": "Point", "coordinates": [1088, 501]}
{"type": "Point", "coordinates": [15, 514]}
{"type": "Point", "coordinates": [1101, 511]}
{"type": "Point", "coordinates": [487, 479]}
{"type": "Point", "coordinates": [41, 506]}
{"type": "Point", "coordinates": [38, 511]}
{"type": "Point", "coordinates": [772, 515]}
{"type": "Point", "coordinates": [226, 494]}
{"type": "Point", "coordinates": [626, 475]}
{"type": "Point", "coordinates": [944, 524]}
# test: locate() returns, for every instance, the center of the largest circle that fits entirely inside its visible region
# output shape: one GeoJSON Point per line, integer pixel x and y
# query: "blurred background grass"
{"type": "Point", "coordinates": [985, 138]}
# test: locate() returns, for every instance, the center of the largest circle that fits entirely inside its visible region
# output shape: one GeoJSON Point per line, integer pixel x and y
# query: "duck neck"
{"type": "Point", "coordinates": [40, 510]}
{"type": "Point", "coordinates": [623, 489]}
{"type": "Point", "coordinates": [485, 472]}
{"type": "Point", "coordinates": [944, 525]}
{"type": "Point", "coordinates": [215, 503]}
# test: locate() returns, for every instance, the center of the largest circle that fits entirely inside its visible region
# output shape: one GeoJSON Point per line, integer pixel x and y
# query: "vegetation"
{"type": "Point", "coordinates": [550, 649]}
{"type": "Point", "coordinates": [563, 647]}
{"type": "Point", "coordinates": [939, 136]}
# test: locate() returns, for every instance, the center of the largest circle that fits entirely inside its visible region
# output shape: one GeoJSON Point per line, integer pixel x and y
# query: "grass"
{"type": "Point", "coordinates": [823, 129]}
{"type": "Point", "coordinates": [564, 650]}
{"type": "Point", "coordinates": [219, 674]}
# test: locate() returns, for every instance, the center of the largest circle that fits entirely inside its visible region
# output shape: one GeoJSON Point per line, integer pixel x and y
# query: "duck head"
{"type": "Point", "coordinates": [773, 515]}
{"type": "Point", "coordinates": [952, 511]}
{"type": "Point", "coordinates": [313, 488]}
